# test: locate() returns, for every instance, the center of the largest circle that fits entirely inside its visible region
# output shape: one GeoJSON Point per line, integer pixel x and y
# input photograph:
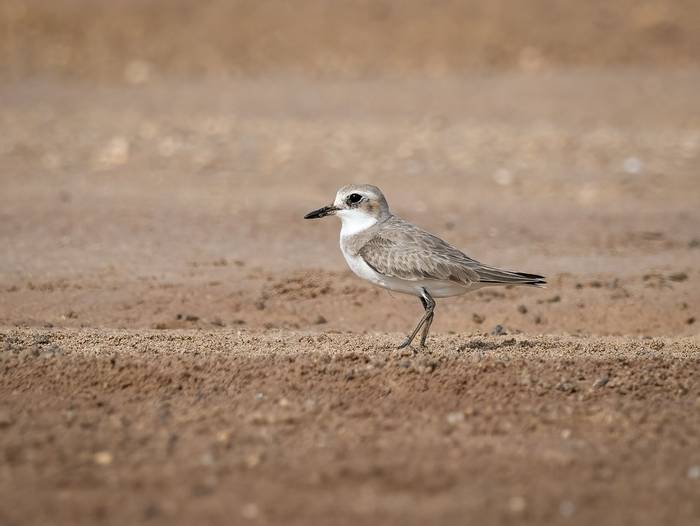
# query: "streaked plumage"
{"type": "Point", "coordinates": [390, 252]}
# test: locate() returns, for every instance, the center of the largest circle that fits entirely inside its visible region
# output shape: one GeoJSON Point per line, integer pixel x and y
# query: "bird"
{"type": "Point", "coordinates": [392, 253]}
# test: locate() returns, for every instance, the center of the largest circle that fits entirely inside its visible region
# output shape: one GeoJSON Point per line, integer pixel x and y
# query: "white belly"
{"type": "Point", "coordinates": [436, 288]}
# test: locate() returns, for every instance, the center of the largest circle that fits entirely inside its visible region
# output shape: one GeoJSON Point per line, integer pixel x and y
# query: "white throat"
{"type": "Point", "coordinates": [354, 222]}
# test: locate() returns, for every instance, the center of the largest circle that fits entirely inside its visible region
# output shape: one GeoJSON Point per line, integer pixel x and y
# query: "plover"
{"type": "Point", "coordinates": [392, 253]}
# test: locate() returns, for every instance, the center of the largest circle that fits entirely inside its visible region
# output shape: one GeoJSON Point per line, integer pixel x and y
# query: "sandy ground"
{"type": "Point", "coordinates": [178, 345]}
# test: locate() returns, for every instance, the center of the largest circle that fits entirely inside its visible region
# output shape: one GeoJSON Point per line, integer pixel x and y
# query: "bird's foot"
{"type": "Point", "coordinates": [405, 343]}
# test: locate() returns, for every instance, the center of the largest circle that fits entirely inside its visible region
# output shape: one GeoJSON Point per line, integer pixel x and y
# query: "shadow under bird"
{"type": "Point", "coordinates": [392, 253]}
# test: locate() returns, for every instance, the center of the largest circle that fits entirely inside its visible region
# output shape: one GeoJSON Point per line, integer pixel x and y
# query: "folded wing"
{"type": "Point", "coordinates": [409, 253]}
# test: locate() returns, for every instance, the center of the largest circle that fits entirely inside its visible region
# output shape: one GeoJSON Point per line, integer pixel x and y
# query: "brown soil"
{"type": "Point", "coordinates": [179, 346]}
{"type": "Point", "coordinates": [296, 428]}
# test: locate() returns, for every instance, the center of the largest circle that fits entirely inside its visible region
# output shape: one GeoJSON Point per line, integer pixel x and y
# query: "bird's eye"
{"type": "Point", "coordinates": [354, 198]}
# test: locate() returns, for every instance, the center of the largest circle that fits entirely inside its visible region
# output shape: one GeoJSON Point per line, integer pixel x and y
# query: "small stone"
{"type": "Point", "coordinates": [567, 387]}
{"type": "Point", "coordinates": [690, 320]}
{"type": "Point", "coordinates": [320, 320]}
{"type": "Point", "coordinates": [632, 165]}
{"type": "Point", "coordinates": [259, 396]}
{"type": "Point", "coordinates": [250, 511]}
{"type": "Point", "coordinates": [5, 419]}
{"type": "Point", "coordinates": [253, 460]}
{"type": "Point", "coordinates": [522, 309]}
{"type": "Point", "coordinates": [678, 276]}
{"type": "Point", "coordinates": [191, 317]}
{"type": "Point", "coordinates": [517, 504]}
{"type": "Point", "coordinates": [601, 382]}
{"type": "Point", "coordinates": [694, 472]}
{"type": "Point", "coordinates": [567, 508]}
{"type": "Point", "coordinates": [114, 153]}
{"type": "Point", "coordinates": [51, 350]}
{"type": "Point", "coordinates": [694, 243]}
{"type": "Point", "coordinates": [137, 72]}
{"type": "Point", "coordinates": [103, 458]}
{"type": "Point", "coordinates": [207, 459]}
{"type": "Point", "coordinates": [478, 318]}
{"type": "Point", "coordinates": [223, 437]}
{"type": "Point", "coordinates": [455, 417]}
{"type": "Point", "coordinates": [503, 177]}
{"type": "Point", "coordinates": [498, 330]}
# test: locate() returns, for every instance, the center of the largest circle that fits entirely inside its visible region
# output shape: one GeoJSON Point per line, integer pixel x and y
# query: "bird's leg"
{"type": "Point", "coordinates": [429, 305]}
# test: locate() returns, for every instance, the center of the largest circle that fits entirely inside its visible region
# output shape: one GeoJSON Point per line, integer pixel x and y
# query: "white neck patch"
{"type": "Point", "coordinates": [354, 222]}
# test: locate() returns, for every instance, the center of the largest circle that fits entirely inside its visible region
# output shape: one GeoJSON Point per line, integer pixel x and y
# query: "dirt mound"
{"type": "Point", "coordinates": [184, 426]}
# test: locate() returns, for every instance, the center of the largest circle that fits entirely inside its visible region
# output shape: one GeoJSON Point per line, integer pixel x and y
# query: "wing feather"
{"type": "Point", "coordinates": [416, 255]}
{"type": "Point", "coordinates": [405, 251]}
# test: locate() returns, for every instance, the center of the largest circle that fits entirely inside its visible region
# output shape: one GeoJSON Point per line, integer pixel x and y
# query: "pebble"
{"type": "Point", "coordinates": [694, 472]}
{"type": "Point", "coordinates": [522, 309]}
{"type": "Point", "coordinates": [567, 508]}
{"type": "Point", "coordinates": [5, 419]}
{"type": "Point", "coordinates": [503, 177]}
{"type": "Point", "coordinates": [253, 460]}
{"type": "Point", "coordinates": [498, 330]}
{"type": "Point", "coordinates": [207, 459]}
{"type": "Point", "coordinates": [601, 382]}
{"type": "Point", "coordinates": [103, 458]}
{"type": "Point", "coordinates": [455, 417]}
{"type": "Point", "coordinates": [250, 511]}
{"type": "Point", "coordinates": [137, 72]}
{"type": "Point", "coordinates": [114, 153]}
{"type": "Point", "coordinates": [223, 437]}
{"type": "Point", "coordinates": [517, 504]}
{"type": "Point", "coordinates": [51, 351]}
{"type": "Point", "coordinates": [632, 165]}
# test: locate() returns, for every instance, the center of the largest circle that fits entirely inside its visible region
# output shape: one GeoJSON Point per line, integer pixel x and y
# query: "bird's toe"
{"type": "Point", "coordinates": [404, 344]}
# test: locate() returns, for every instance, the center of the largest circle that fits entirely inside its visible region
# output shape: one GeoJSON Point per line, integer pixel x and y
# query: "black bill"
{"type": "Point", "coordinates": [321, 212]}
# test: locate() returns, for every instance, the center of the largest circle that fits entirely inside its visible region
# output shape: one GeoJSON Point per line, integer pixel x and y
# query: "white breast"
{"type": "Point", "coordinates": [363, 270]}
{"type": "Point", "coordinates": [359, 267]}
{"type": "Point", "coordinates": [354, 222]}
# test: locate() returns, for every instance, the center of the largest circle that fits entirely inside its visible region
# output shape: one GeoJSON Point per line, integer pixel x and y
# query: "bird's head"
{"type": "Point", "coordinates": [356, 204]}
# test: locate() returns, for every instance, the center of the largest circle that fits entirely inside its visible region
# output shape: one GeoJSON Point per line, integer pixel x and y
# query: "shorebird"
{"type": "Point", "coordinates": [392, 253]}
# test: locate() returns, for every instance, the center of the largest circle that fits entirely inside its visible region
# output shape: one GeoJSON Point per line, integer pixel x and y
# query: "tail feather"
{"type": "Point", "coordinates": [496, 276]}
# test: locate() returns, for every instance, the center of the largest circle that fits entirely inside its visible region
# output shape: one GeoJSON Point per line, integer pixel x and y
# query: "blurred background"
{"type": "Point", "coordinates": [157, 156]}
{"type": "Point", "coordinates": [133, 40]}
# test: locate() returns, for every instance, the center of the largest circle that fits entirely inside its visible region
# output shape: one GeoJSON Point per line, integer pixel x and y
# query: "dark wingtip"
{"type": "Point", "coordinates": [533, 279]}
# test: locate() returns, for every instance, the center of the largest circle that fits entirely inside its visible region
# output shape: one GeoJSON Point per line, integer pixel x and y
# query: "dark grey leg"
{"type": "Point", "coordinates": [426, 326]}
{"type": "Point", "coordinates": [427, 319]}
